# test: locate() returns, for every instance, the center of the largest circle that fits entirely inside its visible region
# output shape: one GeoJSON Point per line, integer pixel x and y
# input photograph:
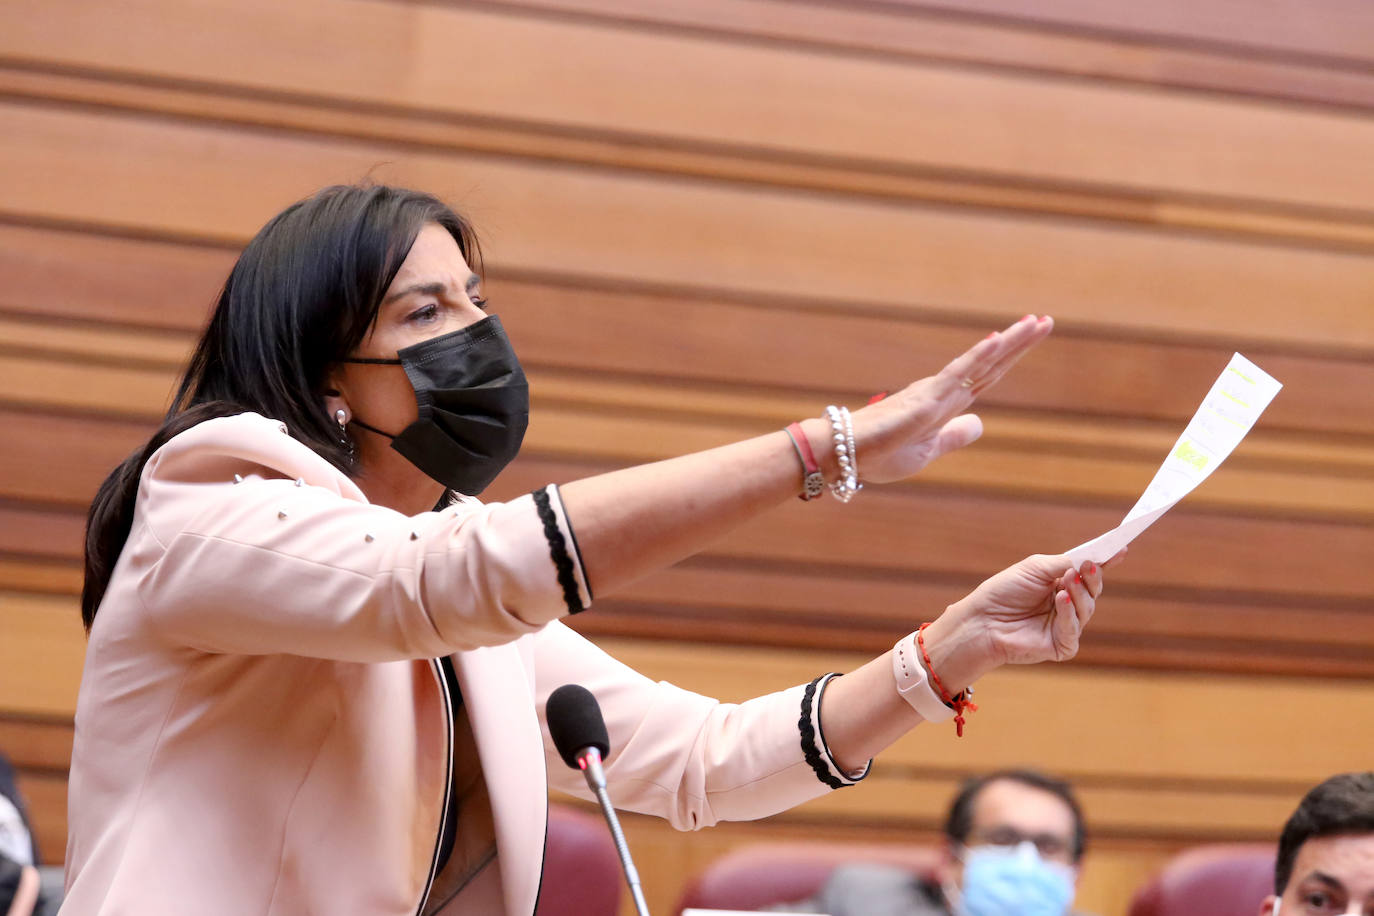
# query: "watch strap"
{"type": "Point", "coordinates": [914, 684]}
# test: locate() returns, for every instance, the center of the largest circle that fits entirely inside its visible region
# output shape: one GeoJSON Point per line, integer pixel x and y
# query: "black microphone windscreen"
{"type": "Point", "coordinates": [575, 722]}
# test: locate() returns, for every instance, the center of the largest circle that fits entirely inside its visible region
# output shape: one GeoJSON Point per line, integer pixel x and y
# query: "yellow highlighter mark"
{"type": "Point", "coordinates": [1218, 413]}
{"type": "Point", "coordinates": [1241, 374]}
{"type": "Point", "coordinates": [1190, 456]}
{"type": "Point", "coordinates": [1228, 395]}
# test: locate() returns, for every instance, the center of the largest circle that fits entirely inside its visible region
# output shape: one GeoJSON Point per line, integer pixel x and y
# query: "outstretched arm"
{"type": "Point", "coordinates": [1031, 612]}
{"type": "Point", "coordinates": [635, 521]}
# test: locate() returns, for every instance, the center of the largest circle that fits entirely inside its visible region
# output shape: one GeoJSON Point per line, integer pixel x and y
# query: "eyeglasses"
{"type": "Point", "coordinates": [1050, 846]}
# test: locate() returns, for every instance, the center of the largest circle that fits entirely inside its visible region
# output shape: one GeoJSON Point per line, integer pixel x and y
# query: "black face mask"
{"type": "Point", "coordinates": [474, 405]}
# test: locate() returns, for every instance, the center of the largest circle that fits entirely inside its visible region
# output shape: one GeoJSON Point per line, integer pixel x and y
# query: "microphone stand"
{"type": "Point", "coordinates": [589, 759]}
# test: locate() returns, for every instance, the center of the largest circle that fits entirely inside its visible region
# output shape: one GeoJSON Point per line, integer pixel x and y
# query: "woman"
{"type": "Point", "coordinates": [317, 666]}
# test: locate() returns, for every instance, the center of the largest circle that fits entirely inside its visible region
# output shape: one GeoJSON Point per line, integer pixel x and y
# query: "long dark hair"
{"type": "Point", "coordinates": [301, 296]}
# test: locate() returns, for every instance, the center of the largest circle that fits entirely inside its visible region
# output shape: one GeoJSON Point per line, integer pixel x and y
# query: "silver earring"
{"type": "Point", "coordinates": [341, 418]}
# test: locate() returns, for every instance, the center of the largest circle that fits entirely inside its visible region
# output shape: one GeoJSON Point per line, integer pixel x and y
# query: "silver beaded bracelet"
{"type": "Point", "coordinates": [842, 432]}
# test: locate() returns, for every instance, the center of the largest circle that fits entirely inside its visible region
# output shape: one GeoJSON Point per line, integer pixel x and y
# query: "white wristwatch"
{"type": "Point", "coordinates": [914, 684]}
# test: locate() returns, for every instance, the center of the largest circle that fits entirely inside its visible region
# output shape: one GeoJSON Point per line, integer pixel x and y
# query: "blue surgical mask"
{"type": "Point", "coordinates": [1013, 881]}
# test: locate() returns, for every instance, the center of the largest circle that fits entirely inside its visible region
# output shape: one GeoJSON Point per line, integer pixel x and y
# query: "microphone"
{"type": "Point", "coordinates": [579, 733]}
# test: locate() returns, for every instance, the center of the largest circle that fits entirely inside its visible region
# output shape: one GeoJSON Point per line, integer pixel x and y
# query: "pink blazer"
{"type": "Point", "coordinates": [262, 727]}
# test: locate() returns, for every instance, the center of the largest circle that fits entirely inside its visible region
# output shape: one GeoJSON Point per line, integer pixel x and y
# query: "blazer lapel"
{"type": "Point", "coordinates": [499, 696]}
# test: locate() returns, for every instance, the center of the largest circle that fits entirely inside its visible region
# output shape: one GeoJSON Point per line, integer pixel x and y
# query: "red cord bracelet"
{"type": "Point", "coordinates": [813, 483]}
{"type": "Point", "coordinates": [958, 703]}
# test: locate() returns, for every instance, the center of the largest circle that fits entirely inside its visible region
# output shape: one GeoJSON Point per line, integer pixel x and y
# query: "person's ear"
{"type": "Point", "coordinates": [949, 870]}
{"type": "Point", "coordinates": [337, 407]}
{"type": "Point", "coordinates": [1270, 906]}
{"type": "Point", "coordinates": [334, 398]}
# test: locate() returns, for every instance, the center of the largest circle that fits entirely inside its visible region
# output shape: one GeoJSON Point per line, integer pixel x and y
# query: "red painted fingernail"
{"type": "Point", "coordinates": [1092, 567]}
{"type": "Point", "coordinates": [1029, 318]}
{"type": "Point", "coordinates": [991, 336]}
{"type": "Point", "coordinates": [1077, 578]}
{"type": "Point", "coordinates": [877, 397]}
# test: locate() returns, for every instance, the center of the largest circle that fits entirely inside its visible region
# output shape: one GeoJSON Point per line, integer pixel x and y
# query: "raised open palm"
{"type": "Point", "coordinates": [904, 432]}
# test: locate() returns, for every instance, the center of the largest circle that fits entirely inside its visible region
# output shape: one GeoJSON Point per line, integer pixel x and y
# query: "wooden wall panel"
{"type": "Point", "coordinates": [1018, 43]}
{"type": "Point", "coordinates": [705, 218]}
{"type": "Point", "coordinates": [1342, 28]}
{"type": "Point", "coordinates": [55, 459]}
{"type": "Point", "coordinates": [154, 176]}
{"type": "Point", "coordinates": [1344, 230]}
{"type": "Point", "coordinates": [709, 338]}
{"type": "Point", "coordinates": [42, 654]}
{"type": "Point", "coordinates": [754, 96]}
{"type": "Point", "coordinates": [65, 276]}
{"type": "Point", "coordinates": [39, 533]}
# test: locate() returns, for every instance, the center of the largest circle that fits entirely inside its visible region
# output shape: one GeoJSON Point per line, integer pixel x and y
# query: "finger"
{"type": "Point", "coordinates": [969, 367]}
{"type": "Point", "coordinates": [987, 382]}
{"type": "Point", "coordinates": [1084, 612]}
{"type": "Point", "coordinates": [1045, 569]}
{"type": "Point", "coordinates": [1064, 627]}
{"type": "Point", "coordinates": [957, 433]}
{"type": "Point", "coordinates": [977, 361]}
{"type": "Point", "coordinates": [1026, 337]}
{"type": "Point", "coordinates": [979, 376]}
{"type": "Point", "coordinates": [1083, 602]}
{"type": "Point", "coordinates": [1092, 577]}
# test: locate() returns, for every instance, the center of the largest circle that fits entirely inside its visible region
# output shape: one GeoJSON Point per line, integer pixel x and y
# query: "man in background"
{"type": "Point", "coordinates": [25, 888]}
{"type": "Point", "coordinates": [1325, 864]}
{"type": "Point", "coordinates": [1013, 843]}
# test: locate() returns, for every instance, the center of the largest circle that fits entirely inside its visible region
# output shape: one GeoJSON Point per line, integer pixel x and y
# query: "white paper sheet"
{"type": "Point", "coordinates": [1237, 398]}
